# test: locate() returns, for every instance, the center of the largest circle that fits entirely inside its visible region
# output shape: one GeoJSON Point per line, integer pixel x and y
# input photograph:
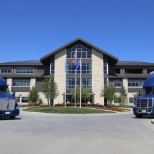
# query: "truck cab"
{"type": "Point", "coordinates": [8, 105]}
{"type": "Point", "coordinates": [144, 102]}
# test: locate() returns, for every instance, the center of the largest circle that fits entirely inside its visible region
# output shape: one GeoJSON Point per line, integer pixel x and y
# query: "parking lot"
{"type": "Point", "coordinates": [38, 133]}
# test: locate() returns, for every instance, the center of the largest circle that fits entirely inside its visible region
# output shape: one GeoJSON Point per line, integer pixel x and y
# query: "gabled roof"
{"type": "Point", "coordinates": [28, 62]}
{"type": "Point", "coordinates": [134, 63]}
{"type": "Point", "coordinates": [47, 57]}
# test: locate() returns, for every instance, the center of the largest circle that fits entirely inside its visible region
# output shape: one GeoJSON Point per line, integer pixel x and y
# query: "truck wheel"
{"type": "Point", "coordinates": [139, 116]}
{"type": "Point", "coordinates": [12, 117]}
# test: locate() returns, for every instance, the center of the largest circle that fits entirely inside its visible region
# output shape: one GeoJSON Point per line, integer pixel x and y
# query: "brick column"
{"type": "Point", "coordinates": [59, 75]}
{"type": "Point", "coordinates": [97, 76]}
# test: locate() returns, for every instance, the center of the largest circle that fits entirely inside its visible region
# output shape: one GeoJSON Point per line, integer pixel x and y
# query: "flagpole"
{"type": "Point", "coordinates": [75, 78]}
{"type": "Point", "coordinates": [65, 82]}
{"type": "Point", "coordinates": [80, 83]}
{"type": "Point", "coordinates": [75, 88]}
{"type": "Point", "coordinates": [76, 66]}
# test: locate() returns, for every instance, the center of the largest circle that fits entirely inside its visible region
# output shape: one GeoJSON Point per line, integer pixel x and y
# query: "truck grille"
{"type": "Point", "coordinates": [144, 103]}
{"type": "Point", "coordinates": [7, 104]}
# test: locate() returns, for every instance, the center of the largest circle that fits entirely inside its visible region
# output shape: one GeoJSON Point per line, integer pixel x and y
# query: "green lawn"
{"type": "Point", "coordinates": [67, 110]}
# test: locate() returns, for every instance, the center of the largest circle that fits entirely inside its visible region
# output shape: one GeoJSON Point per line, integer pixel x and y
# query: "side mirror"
{"type": "Point", "coordinates": [14, 93]}
{"type": "Point", "coordinates": [139, 93]}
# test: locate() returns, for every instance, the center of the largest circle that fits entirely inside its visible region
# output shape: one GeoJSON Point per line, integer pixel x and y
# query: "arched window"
{"type": "Point", "coordinates": [82, 51]}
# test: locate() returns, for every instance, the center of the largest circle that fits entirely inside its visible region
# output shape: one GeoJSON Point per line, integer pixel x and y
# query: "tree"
{"type": "Point", "coordinates": [123, 96]}
{"type": "Point", "coordinates": [108, 92]}
{"type": "Point", "coordinates": [50, 89]}
{"type": "Point", "coordinates": [33, 95]}
{"type": "Point", "coordinates": [85, 93]}
{"type": "Point", "coordinates": [77, 92]}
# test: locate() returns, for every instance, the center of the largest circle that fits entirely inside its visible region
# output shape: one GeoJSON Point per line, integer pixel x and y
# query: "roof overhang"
{"type": "Point", "coordinates": [134, 64]}
{"type": "Point", "coordinates": [23, 63]}
{"type": "Point", "coordinates": [78, 40]}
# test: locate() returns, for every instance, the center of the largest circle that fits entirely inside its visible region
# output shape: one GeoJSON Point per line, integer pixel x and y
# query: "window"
{"type": "Point", "coordinates": [117, 83]}
{"type": "Point", "coordinates": [106, 80]}
{"type": "Point", "coordinates": [70, 68]}
{"type": "Point", "coordinates": [24, 70]}
{"type": "Point", "coordinates": [89, 68]}
{"type": "Point", "coordinates": [52, 67]}
{"type": "Point", "coordinates": [86, 68]}
{"type": "Point", "coordinates": [24, 99]}
{"type": "Point", "coordinates": [117, 100]}
{"type": "Point", "coordinates": [82, 51]}
{"type": "Point", "coordinates": [105, 68]}
{"type": "Point", "coordinates": [18, 99]}
{"type": "Point", "coordinates": [131, 99]}
{"type": "Point", "coordinates": [148, 90]}
{"type": "Point", "coordinates": [135, 83]}
{"type": "Point", "coordinates": [70, 83]}
{"type": "Point", "coordinates": [87, 82]}
{"type": "Point", "coordinates": [21, 83]}
{"type": "Point", "coordinates": [6, 70]}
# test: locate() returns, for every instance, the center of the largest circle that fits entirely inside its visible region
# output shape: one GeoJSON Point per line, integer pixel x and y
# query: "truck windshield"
{"type": "Point", "coordinates": [3, 89]}
{"type": "Point", "coordinates": [149, 90]}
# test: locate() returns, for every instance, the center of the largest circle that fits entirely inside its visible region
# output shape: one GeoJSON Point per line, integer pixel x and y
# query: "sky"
{"type": "Point", "coordinates": [30, 29]}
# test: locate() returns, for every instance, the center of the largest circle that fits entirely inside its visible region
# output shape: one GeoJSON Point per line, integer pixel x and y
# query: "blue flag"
{"type": "Point", "coordinates": [77, 64]}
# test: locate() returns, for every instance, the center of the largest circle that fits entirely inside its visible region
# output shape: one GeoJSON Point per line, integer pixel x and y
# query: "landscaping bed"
{"type": "Point", "coordinates": [75, 110]}
{"type": "Point", "coordinates": [67, 110]}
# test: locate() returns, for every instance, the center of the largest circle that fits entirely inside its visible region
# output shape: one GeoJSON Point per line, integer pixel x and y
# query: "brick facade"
{"type": "Point", "coordinates": [97, 76]}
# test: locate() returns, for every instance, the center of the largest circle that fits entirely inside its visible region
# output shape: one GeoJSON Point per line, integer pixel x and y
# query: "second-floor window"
{"type": "Point", "coordinates": [6, 70]}
{"type": "Point", "coordinates": [135, 83]}
{"type": "Point", "coordinates": [24, 69]}
{"type": "Point", "coordinates": [21, 83]}
{"type": "Point", "coordinates": [106, 68]}
{"type": "Point", "coordinates": [86, 68]}
{"type": "Point", "coordinates": [52, 68]}
{"type": "Point", "coordinates": [117, 83]}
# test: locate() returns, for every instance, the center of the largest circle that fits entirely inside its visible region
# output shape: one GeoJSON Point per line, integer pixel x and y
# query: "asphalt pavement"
{"type": "Point", "coordinates": [43, 133]}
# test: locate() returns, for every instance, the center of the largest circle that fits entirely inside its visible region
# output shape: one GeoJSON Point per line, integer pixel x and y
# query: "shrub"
{"type": "Point", "coordinates": [33, 96]}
